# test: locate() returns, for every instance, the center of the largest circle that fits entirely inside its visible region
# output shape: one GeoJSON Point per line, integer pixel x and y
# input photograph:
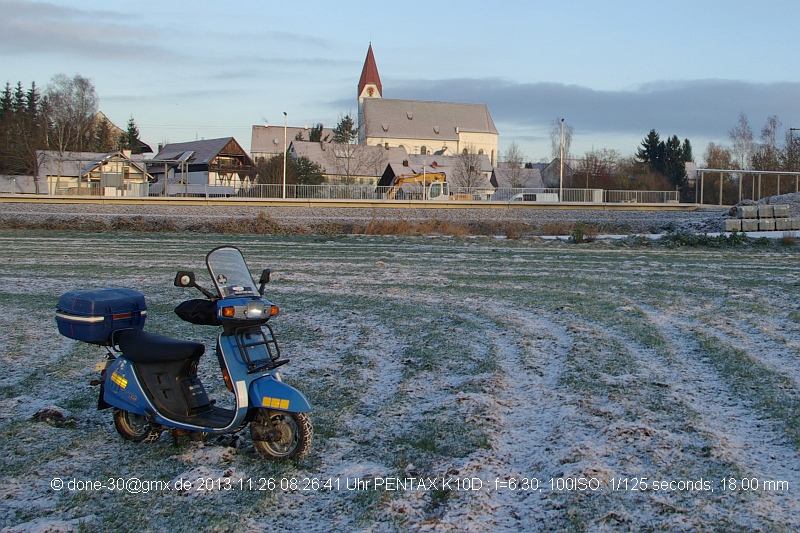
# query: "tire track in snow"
{"type": "Point", "coordinates": [360, 362]}
{"type": "Point", "coordinates": [741, 435]}
{"type": "Point", "coordinates": [533, 422]}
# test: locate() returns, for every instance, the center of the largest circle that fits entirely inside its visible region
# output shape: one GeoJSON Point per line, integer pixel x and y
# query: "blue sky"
{"type": "Point", "coordinates": [613, 70]}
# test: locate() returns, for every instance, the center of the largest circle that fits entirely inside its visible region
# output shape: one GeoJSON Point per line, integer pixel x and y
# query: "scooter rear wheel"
{"type": "Point", "coordinates": [134, 427]}
{"type": "Point", "coordinates": [295, 434]}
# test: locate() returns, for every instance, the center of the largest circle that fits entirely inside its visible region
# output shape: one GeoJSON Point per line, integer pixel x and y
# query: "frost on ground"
{"type": "Point", "coordinates": [458, 385]}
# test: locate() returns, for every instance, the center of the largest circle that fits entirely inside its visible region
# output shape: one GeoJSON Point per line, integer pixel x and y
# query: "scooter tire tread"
{"type": "Point", "coordinates": [305, 433]}
{"type": "Point", "coordinates": [125, 427]}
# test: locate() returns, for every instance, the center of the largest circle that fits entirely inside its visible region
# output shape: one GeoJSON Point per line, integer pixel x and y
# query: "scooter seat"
{"type": "Point", "coordinates": [145, 347]}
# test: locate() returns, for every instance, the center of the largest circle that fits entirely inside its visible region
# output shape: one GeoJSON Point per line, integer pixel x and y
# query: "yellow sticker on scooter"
{"type": "Point", "coordinates": [275, 403]}
{"type": "Point", "coordinates": [119, 380]}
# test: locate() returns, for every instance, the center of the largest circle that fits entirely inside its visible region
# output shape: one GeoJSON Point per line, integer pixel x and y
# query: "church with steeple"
{"type": "Point", "coordinates": [421, 127]}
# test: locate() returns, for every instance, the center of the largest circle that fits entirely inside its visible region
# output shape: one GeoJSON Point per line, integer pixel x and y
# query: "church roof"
{"type": "Point", "coordinates": [369, 74]}
{"type": "Point", "coordinates": [416, 119]}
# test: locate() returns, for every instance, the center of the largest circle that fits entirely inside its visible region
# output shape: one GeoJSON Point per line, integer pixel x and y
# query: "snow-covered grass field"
{"type": "Point", "coordinates": [509, 385]}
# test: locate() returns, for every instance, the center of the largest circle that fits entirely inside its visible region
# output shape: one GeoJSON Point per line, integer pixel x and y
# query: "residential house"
{"type": "Point", "coordinates": [111, 135]}
{"type": "Point", "coordinates": [551, 173]}
{"type": "Point", "coordinates": [348, 163]}
{"type": "Point", "coordinates": [266, 141]}
{"type": "Point", "coordinates": [505, 177]}
{"type": "Point", "coordinates": [209, 167]}
{"type": "Point", "coordinates": [90, 173]}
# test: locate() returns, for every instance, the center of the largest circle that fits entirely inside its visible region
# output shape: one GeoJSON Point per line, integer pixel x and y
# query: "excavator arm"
{"type": "Point", "coordinates": [427, 177]}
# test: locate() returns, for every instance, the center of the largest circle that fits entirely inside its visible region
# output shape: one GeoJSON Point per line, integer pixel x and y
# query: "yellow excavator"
{"type": "Point", "coordinates": [434, 185]}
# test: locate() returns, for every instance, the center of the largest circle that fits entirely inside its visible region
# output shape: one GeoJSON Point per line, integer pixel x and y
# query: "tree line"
{"type": "Point", "coordinates": [64, 118]}
{"type": "Point", "coordinates": [768, 153]}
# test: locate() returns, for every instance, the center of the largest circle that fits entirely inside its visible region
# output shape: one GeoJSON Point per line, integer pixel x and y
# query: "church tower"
{"type": "Point", "coordinates": [369, 86]}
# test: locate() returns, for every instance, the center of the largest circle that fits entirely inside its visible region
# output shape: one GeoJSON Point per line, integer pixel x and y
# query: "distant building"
{"type": "Point", "coordinates": [551, 173]}
{"type": "Point", "coordinates": [197, 166]}
{"type": "Point", "coordinates": [504, 177]}
{"type": "Point", "coordinates": [421, 127]}
{"type": "Point", "coordinates": [348, 163]}
{"type": "Point", "coordinates": [114, 134]}
{"type": "Point", "coordinates": [90, 173]}
{"type": "Point", "coordinates": [267, 141]}
{"type": "Point", "coordinates": [450, 166]}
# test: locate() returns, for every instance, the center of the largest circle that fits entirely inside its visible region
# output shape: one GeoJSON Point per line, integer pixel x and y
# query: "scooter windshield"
{"type": "Point", "coordinates": [229, 272]}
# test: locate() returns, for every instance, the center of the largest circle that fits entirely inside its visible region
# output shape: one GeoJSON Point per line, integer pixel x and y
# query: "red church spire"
{"type": "Point", "coordinates": [369, 74]}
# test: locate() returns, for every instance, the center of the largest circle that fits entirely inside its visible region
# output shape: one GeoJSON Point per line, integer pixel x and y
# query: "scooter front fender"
{"type": "Point", "coordinates": [273, 394]}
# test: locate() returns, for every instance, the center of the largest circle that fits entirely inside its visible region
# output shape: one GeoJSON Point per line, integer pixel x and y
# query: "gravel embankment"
{"type": "Point", "coordinates": [332, 220]}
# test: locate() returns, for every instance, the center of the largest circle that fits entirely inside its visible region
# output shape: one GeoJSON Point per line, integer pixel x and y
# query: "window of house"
{"type": "Point", "coordinates": [423, 150]}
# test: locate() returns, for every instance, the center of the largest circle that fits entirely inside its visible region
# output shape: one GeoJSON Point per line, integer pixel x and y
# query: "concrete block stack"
{"type": "Point", "coordinates": [762, 217]}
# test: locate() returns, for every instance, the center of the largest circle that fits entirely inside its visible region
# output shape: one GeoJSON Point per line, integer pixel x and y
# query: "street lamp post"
{"type": "Point", "coordinates": [285, 117]}
{"type": "Point", "coordinates": [561, 165]}
{"type": "Point", "coordinates": [791, 158]}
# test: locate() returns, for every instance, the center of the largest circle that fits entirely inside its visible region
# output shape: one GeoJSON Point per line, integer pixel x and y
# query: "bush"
{"type": "Point", "coordinates": [582, 233]}
{"type": "Point", "coordinates": [735, 239]}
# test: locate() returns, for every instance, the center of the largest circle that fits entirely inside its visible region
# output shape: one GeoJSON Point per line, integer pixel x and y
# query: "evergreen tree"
{"type": "Point", "coordinates": [667, 158]}
{"type": "Point", "coordinates": [103, 140]}
{"type": "Point", "coordinates": [22, 130]}
{"type": "Point", "coordinates": [5, 101]}
{"type": "Point", "coordinates": [315, 135]}
{"type": "Point", "coordinates": [651, 152]}
{"type": "Point", "coordinates": [688, 156]}
{"type": "Point", "coordinates": [345, 131]}
{"type": "Point", "coordinates": [308, 172]}
{"type": "Point", "coordinates": [130, 139]}
{"type": "Point", "coordinates": [674, 162]}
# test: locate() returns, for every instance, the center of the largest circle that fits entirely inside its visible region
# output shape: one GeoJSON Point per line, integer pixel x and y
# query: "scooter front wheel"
{"type": "Point", "coordinates": [134, 427]}
{"type": "Point", "coordinates": [290, 434]}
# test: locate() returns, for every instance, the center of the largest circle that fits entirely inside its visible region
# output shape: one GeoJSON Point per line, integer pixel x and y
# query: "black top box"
{"type": "Point", "coordinates": [94, 315]}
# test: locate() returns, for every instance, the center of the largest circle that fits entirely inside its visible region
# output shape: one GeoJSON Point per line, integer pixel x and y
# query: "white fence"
{"type": "Point", "coordinates": [367, 192]}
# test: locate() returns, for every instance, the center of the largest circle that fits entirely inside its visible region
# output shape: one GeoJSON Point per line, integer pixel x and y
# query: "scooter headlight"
{"type": "Point", "coordinates": [255, 309]}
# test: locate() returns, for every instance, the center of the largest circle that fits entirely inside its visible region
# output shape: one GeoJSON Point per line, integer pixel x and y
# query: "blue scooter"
{"type": "Point", "coordinates": [151, 380]}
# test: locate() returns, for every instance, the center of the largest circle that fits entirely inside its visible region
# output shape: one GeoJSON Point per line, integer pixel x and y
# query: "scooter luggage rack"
{"type": "Point", "coordinates": [249, 338]}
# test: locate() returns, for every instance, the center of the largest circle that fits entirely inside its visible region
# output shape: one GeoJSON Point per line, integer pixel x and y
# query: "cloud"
{"type": "Point", "coordinates": [29, 28]}
{"type": "Point", "coordinates": [703, 108]}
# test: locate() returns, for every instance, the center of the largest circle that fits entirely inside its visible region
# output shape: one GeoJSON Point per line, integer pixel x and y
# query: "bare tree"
{"type": "Point", "coordinates": [598, 165]}
{"type": "Point", "coordinates": [349, 162]}
{"type": "Point", "coordinates": [467, 171]}
{"type": "Point", "coordinates": [555, 138]}
{"type": "Point", "coordinates": [791, 156]}
{"type": "Point", "coordinates": [515, 163]}
{"type": "Point", "coordinates": [71, 107]}
{"type": "Point", "coordinates": [742, 137]}
{"type": "Point", "coordinates": [767, 155]}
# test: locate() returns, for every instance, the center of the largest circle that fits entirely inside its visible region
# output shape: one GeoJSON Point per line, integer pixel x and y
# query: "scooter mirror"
{"type": "Point", "coordinates": [184, 278]}
{"type": "Point", "coordinates": [263, 280]}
